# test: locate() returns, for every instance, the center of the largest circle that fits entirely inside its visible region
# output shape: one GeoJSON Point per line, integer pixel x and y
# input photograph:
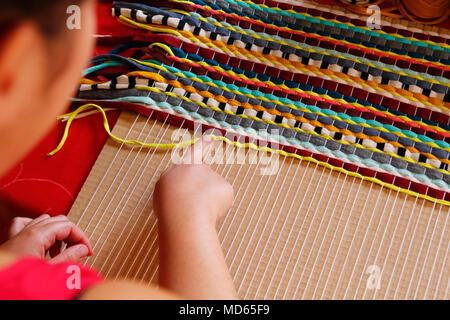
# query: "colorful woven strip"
{"type": "Point", "coordinates": [229, 105]}
{"type": "Point", "coordinates": [291, 55]}
{"type": "Point", "coordinates": [230, 22]}
{"type": "Point", "coordinates": [311, 97]}
{"type": "Point", "coordinates": [405, 28]}
{"type": "Point", "coordinates": [374, 103]}
{"type": "Point", "coordinates": [238, 76]}
{"type": "Point", "coordinates": [271, 104]}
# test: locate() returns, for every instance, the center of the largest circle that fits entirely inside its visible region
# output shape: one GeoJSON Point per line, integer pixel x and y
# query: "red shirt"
{"type": "Point", "coordinates": [37, 279]}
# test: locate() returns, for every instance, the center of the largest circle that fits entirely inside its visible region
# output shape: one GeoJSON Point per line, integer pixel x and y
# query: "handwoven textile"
{"type": "Point", "coordinates": [372, 102]}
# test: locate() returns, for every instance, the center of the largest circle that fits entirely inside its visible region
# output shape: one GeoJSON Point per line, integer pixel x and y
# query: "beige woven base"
{"type": "Point", "coordinates": [304, 233]}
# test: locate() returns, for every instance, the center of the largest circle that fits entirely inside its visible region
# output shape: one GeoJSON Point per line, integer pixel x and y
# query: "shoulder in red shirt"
{"type": "Point", "coordinates": [37, 279]}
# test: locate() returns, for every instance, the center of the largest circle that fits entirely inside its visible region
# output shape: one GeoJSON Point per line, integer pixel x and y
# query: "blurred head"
{"type": "Point", "coordinates": [41, 60]}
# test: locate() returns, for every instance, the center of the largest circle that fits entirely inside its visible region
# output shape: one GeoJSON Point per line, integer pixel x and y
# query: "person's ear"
{"type": "Point", "coordinates": [22, 58]}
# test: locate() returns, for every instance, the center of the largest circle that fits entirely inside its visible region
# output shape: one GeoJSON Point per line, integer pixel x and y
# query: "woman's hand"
{"type": "Point", "coordinates": [189, 199]}
{"type": "Point", "coordinates": [36, 237]}
{"type": "Point", "coordinates": [192, 190]}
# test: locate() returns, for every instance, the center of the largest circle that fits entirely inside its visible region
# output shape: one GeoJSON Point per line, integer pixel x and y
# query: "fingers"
{"type": "Point", "coordinates": [39, 219]}
{"type": "Point", "coordinates": [228, 194]}
{"type": "Point", "coordinates": [195, 153]}
{"type": "Point", "coordinates": [198, 150]}
{"type": "Point", "coordinates": [74, 253]}
{"type": "Point", "coordinates": [55, 249]}
{"type": "Point", "coordinates": [55, 230]}
{"type": "Point", "coordinates": [46, 234]}
{"type": "Point", "coordinates": [17, 225]}
{"type": "Point", "coordinates": [64, 231]}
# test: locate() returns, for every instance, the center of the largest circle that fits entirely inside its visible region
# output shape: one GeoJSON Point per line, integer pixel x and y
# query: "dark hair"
{"type": "Point", "coordinates": [49, 15]}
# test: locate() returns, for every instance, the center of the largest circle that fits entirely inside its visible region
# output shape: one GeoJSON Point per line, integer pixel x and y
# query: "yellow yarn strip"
{"type": "Point", "coordinates": [162, 46]}
{"type": "Point", "coordinates": [71, 116]}
{"type": "Point", "coordinates": [148, 27]}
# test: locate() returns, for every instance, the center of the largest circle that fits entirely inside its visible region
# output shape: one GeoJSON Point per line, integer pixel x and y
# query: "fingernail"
{"type": "Point", "coordinates": [83, 251]}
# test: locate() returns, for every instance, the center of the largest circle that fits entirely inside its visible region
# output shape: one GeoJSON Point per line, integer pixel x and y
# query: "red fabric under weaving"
{"type": "Point", "coordinates": [41, 184]}
{"type": "Point", "coordinates": [36, 279]}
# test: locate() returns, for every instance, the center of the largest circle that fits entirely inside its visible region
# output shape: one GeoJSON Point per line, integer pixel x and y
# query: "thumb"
{"type": "Point", "coordinates": [73, 253]}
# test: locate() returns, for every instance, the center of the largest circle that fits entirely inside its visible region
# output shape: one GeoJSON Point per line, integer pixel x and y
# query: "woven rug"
{"type": "Point", "coordinates": [358, 208]}
{"type": "Point", "coordinates": [371, 103]}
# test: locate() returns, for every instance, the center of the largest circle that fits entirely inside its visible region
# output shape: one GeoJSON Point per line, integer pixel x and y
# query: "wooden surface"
{"type": "Point", "coordinates": [304, 232]}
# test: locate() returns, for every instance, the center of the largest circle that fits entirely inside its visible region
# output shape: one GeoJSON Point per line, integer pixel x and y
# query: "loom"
{"type": "Point", "coordinates": [358, 205]}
